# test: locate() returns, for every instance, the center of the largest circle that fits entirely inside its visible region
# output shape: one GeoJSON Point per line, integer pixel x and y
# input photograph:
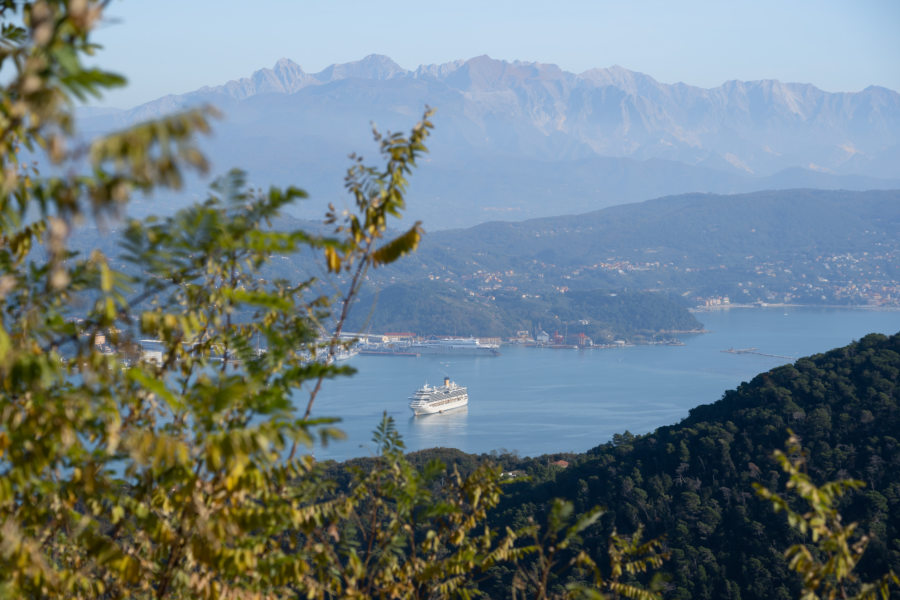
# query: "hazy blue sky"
{"type": "Point", "coordinates": [175, 46]}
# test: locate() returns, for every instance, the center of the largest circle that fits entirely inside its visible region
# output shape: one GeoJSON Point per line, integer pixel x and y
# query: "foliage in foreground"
{"type": "Point", "coordinates": [828, 570]}
{"type": "Point", "coordinates": [185, 476]}
{"type": "Point", "coordinates": [149, 441]}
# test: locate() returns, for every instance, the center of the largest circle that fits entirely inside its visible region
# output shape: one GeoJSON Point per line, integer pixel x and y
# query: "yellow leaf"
{"type": "Point", "coordinates": [333, 260]}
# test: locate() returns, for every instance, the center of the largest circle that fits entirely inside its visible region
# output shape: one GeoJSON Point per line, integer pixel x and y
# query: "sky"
{"type": "Point", "coordinates": [176, 46]}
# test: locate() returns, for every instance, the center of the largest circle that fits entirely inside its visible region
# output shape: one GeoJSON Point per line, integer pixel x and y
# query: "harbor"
{"type": "Point", "coordinates": [579, 399]}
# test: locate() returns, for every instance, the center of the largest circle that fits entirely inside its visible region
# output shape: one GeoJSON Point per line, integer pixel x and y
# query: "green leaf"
{"type": "Point", "coordinates": [398, 247]}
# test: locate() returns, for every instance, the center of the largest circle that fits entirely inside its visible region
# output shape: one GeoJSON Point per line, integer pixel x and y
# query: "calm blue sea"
{"type": "Point", "coordinates": [537, 401]}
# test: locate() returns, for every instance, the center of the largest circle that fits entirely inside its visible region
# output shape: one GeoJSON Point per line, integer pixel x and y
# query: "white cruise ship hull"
{"type": "Point", "coordinates": [431, 409]}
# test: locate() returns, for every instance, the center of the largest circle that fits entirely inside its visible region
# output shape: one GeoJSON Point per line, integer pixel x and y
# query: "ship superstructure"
{"type": "Point", "coordinates": [437, 399]}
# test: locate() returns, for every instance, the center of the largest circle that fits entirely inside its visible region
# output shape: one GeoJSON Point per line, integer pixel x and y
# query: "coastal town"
{"type": "Point", "coordinates": [868, 278]}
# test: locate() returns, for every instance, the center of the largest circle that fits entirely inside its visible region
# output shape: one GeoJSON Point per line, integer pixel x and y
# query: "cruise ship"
{"type": "Point", "coordinates": [468, 346]}
{"type": "Point", "coordinates": [429, 400]}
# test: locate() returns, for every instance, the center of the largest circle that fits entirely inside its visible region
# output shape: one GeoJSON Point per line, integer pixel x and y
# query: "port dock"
{"type": "Point", "coordinates": [756, 352]}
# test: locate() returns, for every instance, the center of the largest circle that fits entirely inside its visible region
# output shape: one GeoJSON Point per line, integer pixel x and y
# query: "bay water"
{"type": "Point", "coordinates": [535, 401]}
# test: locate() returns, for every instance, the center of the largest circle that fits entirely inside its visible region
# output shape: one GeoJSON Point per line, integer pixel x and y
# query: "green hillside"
{"type": "Point", "coordinates": [691, 482]}
{"type": "Point", "coordinates": [439, 308]}
{"type": "Point", "coordinates": [427, 308]}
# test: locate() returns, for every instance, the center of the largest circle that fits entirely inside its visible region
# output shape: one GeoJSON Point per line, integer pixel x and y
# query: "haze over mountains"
{"type": "Point", "coordinates": [515, 140]}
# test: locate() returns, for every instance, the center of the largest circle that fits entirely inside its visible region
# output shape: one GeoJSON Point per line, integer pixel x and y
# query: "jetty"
{"type": "Point", "coordinates": [756, 352]}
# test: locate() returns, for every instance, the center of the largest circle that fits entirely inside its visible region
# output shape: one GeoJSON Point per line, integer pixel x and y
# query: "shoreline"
{"type": "Point", "coordinates": [702, 309]}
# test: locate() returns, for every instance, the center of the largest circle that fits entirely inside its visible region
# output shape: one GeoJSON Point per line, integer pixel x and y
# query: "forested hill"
{"type": "Point", "coordinates": [801, 246]}
{"type": "Point", "coordinates": [438, 308]}
{"type": "Point", "coordinates": [691, 482]}
{"type": "Point", "coordinates": [702, 228]}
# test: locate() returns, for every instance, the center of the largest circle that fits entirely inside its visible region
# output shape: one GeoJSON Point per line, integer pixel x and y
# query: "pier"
{"type": "Point", "coordinates": [756, 352]}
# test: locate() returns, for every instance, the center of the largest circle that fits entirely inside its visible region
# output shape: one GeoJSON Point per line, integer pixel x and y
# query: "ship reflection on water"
{"type": "Point", "coordinates": [447, 422]}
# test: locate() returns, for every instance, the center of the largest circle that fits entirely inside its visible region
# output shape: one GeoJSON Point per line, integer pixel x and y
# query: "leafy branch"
{"type": "Point", "coordinates": [828, 568]}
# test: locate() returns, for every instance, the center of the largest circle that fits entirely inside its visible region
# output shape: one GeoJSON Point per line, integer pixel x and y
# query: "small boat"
{"type": "Point", "coordinates": [342, 354]}
{"type": "Point", "coordinates": [438, 399]}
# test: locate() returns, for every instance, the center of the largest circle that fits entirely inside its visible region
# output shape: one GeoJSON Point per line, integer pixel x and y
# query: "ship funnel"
{"type": "Point", "coordinates": [446, 382]}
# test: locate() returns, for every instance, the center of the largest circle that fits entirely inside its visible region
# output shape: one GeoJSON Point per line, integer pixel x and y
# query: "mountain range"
{"type": "Point", "coordinates": [515, 140]}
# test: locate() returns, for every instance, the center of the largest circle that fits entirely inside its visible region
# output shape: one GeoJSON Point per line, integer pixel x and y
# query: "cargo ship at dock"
{"type": "Point", "coordinates": [460, 346]}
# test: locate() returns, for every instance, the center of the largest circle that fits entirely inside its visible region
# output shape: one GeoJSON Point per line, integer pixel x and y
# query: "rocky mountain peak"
{"type": "Point", "coordinates": [483, 73]}
{"type": "Point", "coordinates": [373, 66]}
{"type": "Point", "coordinates": [290, 75]}
{"type": "Point", "coordinates": [617, 76]}
{"type": "Point", "coordinates": [286, 65]}
{"type": "Point", "coordinates": [286, 77]}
